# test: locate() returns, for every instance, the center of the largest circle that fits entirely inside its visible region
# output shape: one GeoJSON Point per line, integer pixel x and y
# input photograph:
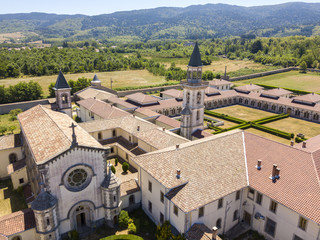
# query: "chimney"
{"type": "Point", "coordinates": [214, 233]}
{"type": "Point", "coordinates": [178, 173]}
{"type": "Point", "coordinates": [291, 143]}
{"type": "Point", "coordinates": [138, 128]}
{"type": "Point", "coordinates": [277, 173]}
{"type": "Point", "coordinates": [304, 144]}
{"type": "Point", "coordinates": [163, 129]}
{"type": "Point", "coordinates": [177, 146]}
{"type": "Point", "coordinates": [274, 169]}
{"type": "Point", "coordinates": [259, 164]}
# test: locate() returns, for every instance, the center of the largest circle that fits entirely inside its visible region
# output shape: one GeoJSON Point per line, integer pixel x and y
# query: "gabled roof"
{"type": "Point", "coordinates": [248, 88]}
{"type": "Point", "coordinates": [102, 109]}
{"type": "Point", "coordinates": [141, 98]}
{"type": "Point", "coordinates": [61, 82]}
{"type": "Point", "coordinates": [311, 97]}
{"type": "Point", "coordinates": [195, 60]}
{"type": "Point", "coordinates": [17, 222]}
{"type": "Point", "coordinates": [48, 133]}
{"type": "Point", "coordinates": [276, 92]}
{"type": "Point", "coordinates": [199, 231]}
{"type": "Point", "coordinates": [10, 141]}
{"type": "Point", "coordinates": [219, 82]}
{"type": "Point", "coordinates": [173, 93]}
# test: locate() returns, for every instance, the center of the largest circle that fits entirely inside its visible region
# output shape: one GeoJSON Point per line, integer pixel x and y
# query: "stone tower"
{"type": "Point", "coordinates": [193, 96]}
{"type": "Point", "coordinates": [111, 198]}
{"type": "Point", "coordinates": [63, 95]}
{"type": "Point", "coordinates": [45, 212]}
{"type": "Point", "coordinates": [96, 82]}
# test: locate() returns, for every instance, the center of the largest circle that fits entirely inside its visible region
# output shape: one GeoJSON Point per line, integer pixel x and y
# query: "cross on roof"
{"type": "Point", "coordinates": [74, 136]}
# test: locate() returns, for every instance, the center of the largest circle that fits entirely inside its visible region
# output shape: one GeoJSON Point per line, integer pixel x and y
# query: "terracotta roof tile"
{"type": "Point", "coordinates": [129, 187]}
{"type": "Point", "coordinates": [174, 93]}
{"type": "Point", "coordinates": [167, 103]}
{"type": "Point", "coordinates": [120, 103]}
{"type": "Point", "coordinates": [17, 222]}
{"type": "Point", "coordinates": [311, 98]}
{"type": "Point", "coordinates": [147, 112]}
{"type": "Point", "coordinates": [11, 168]}
{"type": "Point", "coordinates": [169, 121]}
{"type": "Point", "coordinates": [10, 141]}
{"type": "Point", "coordinates": [141, 98]}
{"type": "Point", "coordinates": [102, 109]}
{"type": "Point", "coordinates": [200, 232]}
{"type": "Point", "coordinates": [94, 93]}
{"type": "Point", "coordinates": [248, 88]}
{"type": "Point", "coordinates": [219, 82]}
{"type": "Point", "coordinates": [48, 133]}
{"type": "Point", "coordinates": [276, 92]}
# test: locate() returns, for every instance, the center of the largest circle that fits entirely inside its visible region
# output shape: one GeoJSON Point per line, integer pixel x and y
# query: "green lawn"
{"type": "Point", "coordinates": [244, 113]}
{"type": "Point", "coordinates": [293, 79]}
{"type": "Point", "coordinates": [130, 78]}
{"type": "Point", "coordinates": [5, 120]}
{"type": "Point", "coordinates": [10, 200]}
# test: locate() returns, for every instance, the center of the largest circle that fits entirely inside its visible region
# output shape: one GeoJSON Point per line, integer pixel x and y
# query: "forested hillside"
{"type": "Point", "coordinates": [193, 22]}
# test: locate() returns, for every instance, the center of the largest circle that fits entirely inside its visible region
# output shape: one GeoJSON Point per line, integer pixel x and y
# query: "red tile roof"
{"type": "Point", "coordinates": [311, 98]}
{"type": "Point", "coordinates": [219, 82]}
{"type": "Point", "coordinates": [169, 121]}
{"type": "Point", "coordinates": [173, 93]}
{"type": "Point", "coordinates": [17, 222]}
{"type": "Point", "coordinates": [248, 88]}
{"type": "Point", "coordinates": [141, 98]}
{"type": "Point", "coordinates": [276, 92]}
{"type": "Point", "coordinates": [200, 232]}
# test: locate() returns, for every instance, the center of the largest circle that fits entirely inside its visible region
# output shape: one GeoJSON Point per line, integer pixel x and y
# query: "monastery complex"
{"type": "Point", "coordinates": [203, 184]}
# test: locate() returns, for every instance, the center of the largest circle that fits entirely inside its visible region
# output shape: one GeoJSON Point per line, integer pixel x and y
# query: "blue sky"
{"type": "Point", "coordinates": [95, 7]}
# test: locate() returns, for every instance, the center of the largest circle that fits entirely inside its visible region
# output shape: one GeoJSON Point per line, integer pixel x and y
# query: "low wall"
{"type": "Point", "coordinates": [6, 108]}
{"type": "Point", "coordinates": [262, 74]}
{"type": "Point", "coordinates": [147, 90]}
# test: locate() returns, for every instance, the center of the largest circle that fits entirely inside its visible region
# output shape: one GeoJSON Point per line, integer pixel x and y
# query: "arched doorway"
{"type": "Point", "coordinates": [81, 216]}
{"type": "Point", "coordinates": [289, 111]}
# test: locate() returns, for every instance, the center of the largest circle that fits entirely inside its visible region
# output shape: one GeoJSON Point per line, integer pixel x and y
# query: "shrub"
{"type": "Point", "coordinates": [3, 129]}
{"type": "Point", "coordinates": [132, 228]}
{"type": "Point", "coordinates": [123, 219]}
{"type": "Point", "coordinates": [113, 169]}
{"type": "Point", "coordinates": [12, 128]}
{"type": "Point", "coordinates": [15, 112]}
{"type": "Point", "coordinates": [116, 160]}
{"type": "Point", "coordinates": [74, 235]}
{"type": "Point", "coordinates": [125, 167]}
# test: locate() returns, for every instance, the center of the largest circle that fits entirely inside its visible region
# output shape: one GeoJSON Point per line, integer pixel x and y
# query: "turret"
{"type": "Point", "coordinates": [45, 212]}
{"type": "Point", "coordinates": [63, 94]}
{"type": "Point", "coordinates": [96, 82]}
{"type": "Point", "coordinates": [110, 188]}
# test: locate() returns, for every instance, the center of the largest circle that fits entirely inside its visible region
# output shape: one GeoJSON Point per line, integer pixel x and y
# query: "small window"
{"type": "Point", "coordinates": [129, 138]}
{"type": "Point", "coordinates": [114, 133]}
{"type": "Point", "coordinates": [161, 197]}
{"type": "Point", "coordinates": [13, 158]}
{"type": "Point", "coordinates": [114, 198]}
{"type": "Point", "coordinates": [235, 215]}
{"type": "Point", "coordinates": [270, 227]}
{"type": "Point", "coordinates": [99, 135]}
{"type": "Point", "coordinates": [198, 115]}
{"type": "Point", "coordinates": [237, 195]}
{"type": "Point", "coordinates": [21, 181]}
{"type": "Point", "coordinates": [220, 203]}
{"type": "Point", "coordinates": [161, 218]}
{"type": "Point", "coordinates": [303, 223]}
{"type": "Point", "coordinates": [48, 221]}
{"type": "Point", "coordinates": [251, 193]}
{"type": "Point", "coordinates": [112, 150]}
{"type": "Point", "coordinates": [201, 212]}
{"type": "Point", "coordinates": [132, 200]}
{"type": "Point", "coordinates": [259, 198]}
{"type": "Point", "coordinates": [150, 186]}
{"type": "Point", "coordinates": [295, 237]}
{"type": "Point", "coordinates": [127, 156]}
{"type": "Point", "coordinates": [175, 210]}
{"type": "Point", "coordinates": [218, 223]}
{"type": "Point", "coordinates": [273, 206]}
{"type": "Point", "coordinates": [150, 206]}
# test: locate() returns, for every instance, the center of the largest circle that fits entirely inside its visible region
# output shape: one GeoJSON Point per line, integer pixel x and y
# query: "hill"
{"type": "Point", "coordinates": [193, 22]}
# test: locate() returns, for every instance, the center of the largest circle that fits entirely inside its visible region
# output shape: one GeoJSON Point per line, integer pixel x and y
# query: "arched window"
{"type": "Point", "coordinates": [114, 133]}
{"type": "Point", "coordinates": [297, 113]}
{"type": "Point", "coordinates": [306, 115]}
{"type": "Point", "coordinates": [132, 200]}
{"type": "Point", "coordinates": [198, 115]}
{"type": "Point", "coordinates": [316, 117]}
{"type": "Point", "coordinates": [13, 158]}
{"type": "Point", "coordinates": [199, 97]}
{"type": "Point", "coordinates": [259, 104]}
{"type": "Point", "coordinates": [188, 97]}
{"type": "Point", "coordinates": [240, 100]}
{"type": "Point", "coordinates": [235, 215]}
{"type": "Point", "coordinates": [246, 101]}
{"type": "Point", "coordinates": [64, 98]}
{"type": "Point", "coordinates": [218, 223]}
{"type": "Point", "coordinates": [16, 238]}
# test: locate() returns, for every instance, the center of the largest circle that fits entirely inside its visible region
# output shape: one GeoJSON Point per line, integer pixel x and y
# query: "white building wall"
{"type": "Point", "coordinates": [287, 220]}
{"type": "Point", "coordinates": [4, 160]}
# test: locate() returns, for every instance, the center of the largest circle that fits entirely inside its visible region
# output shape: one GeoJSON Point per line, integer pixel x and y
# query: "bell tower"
{"type": "Point", "coordinates": [63, 95]}
{"type": "Point", "coordinates": [193, 96]}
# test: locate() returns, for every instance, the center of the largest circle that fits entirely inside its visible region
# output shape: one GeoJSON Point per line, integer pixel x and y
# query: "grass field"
{"type": "Point", "coordinates": [130, 78]}
{"type": "Point", "coordinates": [10, 200]}
{"type": "Point", "coordinates": [244, 113]}
{"type": "Point", "coordinates": [293, 79]}
{"type": "Point", "coordinates": [5, 121]}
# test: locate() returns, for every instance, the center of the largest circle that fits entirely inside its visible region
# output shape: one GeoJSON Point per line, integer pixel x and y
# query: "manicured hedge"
{"type": "Point", "coordinates": [223, 116]}
{"type": "Point", "coordinates": [126, 237]}
{"type": "Point", "coordinates": [299, 140]}
{"type": "Point", "coordinates": [142, 87]}
{"type": "Point", "coordinates": [271, 119]}
{"type": "Point", "coordinates": [272, 131]}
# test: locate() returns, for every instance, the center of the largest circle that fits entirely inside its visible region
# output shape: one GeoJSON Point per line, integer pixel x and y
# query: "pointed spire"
{"type": "Point", "coordinates": [61, 82]}
{"type": "Point", "coordinates": [95, 78]}
{"type": "Point", "coordinates": [195, 60]}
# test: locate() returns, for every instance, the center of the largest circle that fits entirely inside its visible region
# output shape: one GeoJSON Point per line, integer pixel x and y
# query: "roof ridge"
{"type": "Point", "coordinates": [315, 169]}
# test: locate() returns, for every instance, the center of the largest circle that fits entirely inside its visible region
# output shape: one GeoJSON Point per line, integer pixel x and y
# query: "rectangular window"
{"type": "Point", "coordinates": [295, 237]}
{"type": "Point", "coordinates": [251, 193]}
{"type": "Point", "coordinates": [259, 198]}
{"type": "Point", "coordinates": [270, 227]}
{"type": "Point", "coordinates": [201, 212]}
{"type": "Point", "coordinates": [21, 180]}
{"type": "Point", "coordinates": [302, 223]}
{"type": "Point", "coordinates": [175, 210]}
{"type": "Point", "coordinates": [161, 196]}
{"type": "Point", "coordinates": [273, 206]}
{"type": "Point", "coordinates": [238, 195]}
{"type": "Point", "coordinates": [161, 218]}
{"type": "Point", "coordinates": [150, 186]}
{"type": "Point", "coordinates": [127, 156]}
{"type": "Point", "coordinates": [235, 215]}
{"type": "Point", "coordinates": [150, 206]}
{"type": "Point", "coordinates": [220, 203]}
{"type": "Point", "coordinates": [112, 150]}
